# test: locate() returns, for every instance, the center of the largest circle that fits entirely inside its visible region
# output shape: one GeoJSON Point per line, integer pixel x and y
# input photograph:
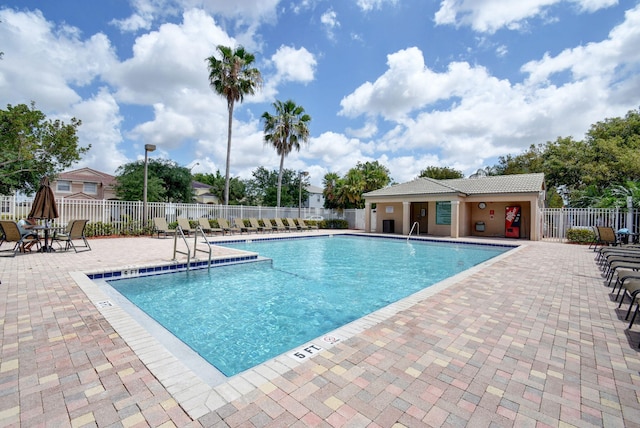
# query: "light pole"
{"type": "Point", "coordinates": [194, 165]}
{"type": "Point", "coordinates": [147, 148]}
{"type": "Point", "coordinates": [300, 175]}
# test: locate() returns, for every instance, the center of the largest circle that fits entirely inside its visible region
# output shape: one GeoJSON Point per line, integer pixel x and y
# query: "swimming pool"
{"type": "Point", "coordinates": [239, 316]}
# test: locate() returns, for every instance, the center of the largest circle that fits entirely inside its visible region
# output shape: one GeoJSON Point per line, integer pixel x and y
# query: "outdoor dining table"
{"type": "Point", "coordinates": [46, 248]}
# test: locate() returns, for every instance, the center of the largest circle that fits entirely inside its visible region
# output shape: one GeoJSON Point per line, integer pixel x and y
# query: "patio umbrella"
{"type": "Point", "coordinates": [44, 203]}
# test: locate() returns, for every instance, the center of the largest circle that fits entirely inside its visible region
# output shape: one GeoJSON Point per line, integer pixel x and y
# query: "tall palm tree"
{"type": "Point", "coordinates": [285, 130]}
{"type": "Point", "coordinates": [232, 77]}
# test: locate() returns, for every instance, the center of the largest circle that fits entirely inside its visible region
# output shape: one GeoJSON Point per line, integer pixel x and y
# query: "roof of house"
{"type": "Point", "coordinates": [517, 183]}
{"type": "Point", "coordinates": [87, 175]}
{"type": "Point", "coordinates": [314, 189]}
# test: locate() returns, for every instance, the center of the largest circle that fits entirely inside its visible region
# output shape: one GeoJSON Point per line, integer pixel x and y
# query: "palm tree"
{"type": "Point", "coordinates": [285, 130]}
{"type": "Point", "coordinates": [233, 78]}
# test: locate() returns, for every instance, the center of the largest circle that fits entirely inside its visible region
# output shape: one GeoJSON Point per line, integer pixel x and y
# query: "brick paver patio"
{"type": "Point", "coordinates": [533, 339]}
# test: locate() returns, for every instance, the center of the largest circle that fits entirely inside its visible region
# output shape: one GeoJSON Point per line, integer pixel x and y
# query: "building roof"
{"type": "Point", "coordinates": [314, 189]}
{"type": "Point", "coordinates": [517, 183]}
{"type": "Point", "coordinates": [87, 175]}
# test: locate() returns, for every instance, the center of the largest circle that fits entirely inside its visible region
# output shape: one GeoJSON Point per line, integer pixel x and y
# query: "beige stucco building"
{"type": "Point", "coordinates": [492, 206]}
{"type": "Point", "coordinates": [84, 183]}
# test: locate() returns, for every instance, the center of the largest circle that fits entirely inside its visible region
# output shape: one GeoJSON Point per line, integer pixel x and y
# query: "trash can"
{"type": "Point", "coordinates": [480, 226]}
{"type": "Point", "coordinates": [388, 226]}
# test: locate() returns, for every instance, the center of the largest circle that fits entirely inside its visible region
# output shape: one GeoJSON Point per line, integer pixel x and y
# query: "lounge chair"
{"type": "Point", "coordinates": [206, 226]}
{"type": "Point", "coordinates": [184, 224]}
{"type": "Point", "coordinates": [309, 226]}
{"type": "Point", "coordinates": [256, 224]}
{"type": "Point", "coordinates": [162, 227]}
{"type": "Point", "coordinates": [243, 228]}
{"type": "Point", "coordinates": [292, 224]}
{"type": "Point", "coordinates": [12, 235]}
{"type": "Point", "coordinates": [224, 225]}
{"type": "Point", "coordinates": [76, 233]}
{"type": "Point", "coordinates": [280, 225]}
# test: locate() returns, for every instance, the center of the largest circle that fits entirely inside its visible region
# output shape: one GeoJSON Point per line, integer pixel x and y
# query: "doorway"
{"type": "Point", "coordinates": [420, 213]}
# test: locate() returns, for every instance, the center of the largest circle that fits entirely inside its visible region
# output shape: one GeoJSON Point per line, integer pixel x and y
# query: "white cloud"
{"type": "Point", "coordinates": [492, 15]}
{"type": "Point", "coordinates": [293, 65]}
{"type": "Point", "coordinates": [367, 5]}
{"type": "Point", "coordinates": [464, 115]}
{"type": "Point", "coordinates": [329, 20]}
{"type": "Point", "coordinates": [28, 39]}
{"type": "Point", "coordinates": [101, 122]}
{"type": "Point", "coordinates": [247, 13]}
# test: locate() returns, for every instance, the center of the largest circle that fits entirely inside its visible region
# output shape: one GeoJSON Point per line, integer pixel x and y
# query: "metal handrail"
{"type": "Point", "coordinates": [195, 244]}
{"type": "Point", "coordinates": [413, 226]}
{"type": "Point", "coordinates": [175, 246]}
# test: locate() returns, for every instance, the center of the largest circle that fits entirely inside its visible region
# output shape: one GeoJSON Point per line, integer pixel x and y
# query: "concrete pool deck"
{"type": "Point", "coordinates": [531, 339]}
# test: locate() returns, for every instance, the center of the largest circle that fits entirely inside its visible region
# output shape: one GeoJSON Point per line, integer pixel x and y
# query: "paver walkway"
{"type": "Point", "coordinates": [534, 339]}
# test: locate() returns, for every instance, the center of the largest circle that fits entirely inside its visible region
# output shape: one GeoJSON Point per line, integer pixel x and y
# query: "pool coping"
{"type": "Point", "coordinates": [196, 396]}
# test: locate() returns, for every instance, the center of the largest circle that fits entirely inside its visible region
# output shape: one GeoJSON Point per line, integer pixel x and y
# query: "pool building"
{"type": "Point", "coordinates": [505, 206]}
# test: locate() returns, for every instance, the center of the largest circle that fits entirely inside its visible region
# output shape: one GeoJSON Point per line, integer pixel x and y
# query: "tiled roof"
{"type": "Point", "coordinates": [517, 183]}
{"type": "Point", "coordinates": [87, 175]}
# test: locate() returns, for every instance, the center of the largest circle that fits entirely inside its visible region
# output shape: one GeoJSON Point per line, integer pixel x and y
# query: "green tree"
{"type": "Point", "coordinates": [284, 131]}
{"type": "Point", "coordinates": [263, 188]}
{"type": "Point", "coordinates": [33, 147]}
{"type": "Point", "coordinates": [237, 191]}
{"type": "Point", "coordinates": [331, 183]}
{"type": "Point", "coordinates": [440, 172]}
{"type": "Point", "coordinates": [232, 77]}
{"type": "Point", "coordinates": [529, 161]}
{"type": "Point", "coordinates": [346, 192]}
{"type": "Point", "coordinates": [167, 182]}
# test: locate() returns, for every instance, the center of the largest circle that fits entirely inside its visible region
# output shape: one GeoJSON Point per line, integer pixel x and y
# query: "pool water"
{"type": "Point", "coordinates": [239, 316]}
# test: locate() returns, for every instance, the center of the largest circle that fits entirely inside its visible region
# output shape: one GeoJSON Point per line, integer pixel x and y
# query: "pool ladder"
{"type": "Point", "coordinates": [198, 231]}
{"type": "Point", "coordinates": [415, 226]}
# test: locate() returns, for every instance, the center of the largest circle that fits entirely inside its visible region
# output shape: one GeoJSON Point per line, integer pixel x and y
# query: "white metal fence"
{"type": "Point", "coordinates": [124, 216]}
{"type": "Point", "coordinates": [557, 221]}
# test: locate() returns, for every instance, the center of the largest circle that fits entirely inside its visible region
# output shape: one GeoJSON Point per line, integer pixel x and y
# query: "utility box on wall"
{"type": "Point", "coordinates": [480, 226]}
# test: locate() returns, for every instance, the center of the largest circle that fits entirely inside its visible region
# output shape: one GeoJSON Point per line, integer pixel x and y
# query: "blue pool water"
{"type": "Point", "coordinates": [239, 316]}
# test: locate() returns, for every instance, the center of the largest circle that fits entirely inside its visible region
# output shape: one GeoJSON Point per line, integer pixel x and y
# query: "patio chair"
{"type": "Point", "coordinates": [304, 226]}
{"type": "Point", "coordinates": [292, 224]}
{"type": "Point", "coordinates": [12, 234]}
{"type": "Point", "coordinates": [271, 222]}
{"type": "Point", "coordinates": [184, 224]}
{"type": "Point", "coordinates": [256, 224]}
{"type": "Point", "coordinates": [162, 227]}
{"type": "Point", "coordinates": [606, 236]}
{"type": "Point", "coordinates": [309, 226]}
{"type": "Point", "coordinates": [207, 228]}
{"type": "Point", "coordinates": [224, 225]}
{"type": "Point", "coordinates": [76, 233]}
{"type": "Point", "coordinates": [243, 228]}
{"type": "Point", "coordinates": [280, 225]}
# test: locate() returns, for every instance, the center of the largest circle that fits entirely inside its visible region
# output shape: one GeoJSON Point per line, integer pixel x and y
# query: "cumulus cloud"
{"type": "Point", "coordinates": [367, 5]}
{"type": "Point", "coordinates": [329, 20]}
{"type": "Point", "coordinates": [465, 115]}
{"type": "Point", "coordinates": [293, 65]}
{"type": "Point", "coordinates": [27, 39]}
{"type": "Point", "coordinates": [492, 15]}
{"type": "Point", "coordinates": [247, 13]}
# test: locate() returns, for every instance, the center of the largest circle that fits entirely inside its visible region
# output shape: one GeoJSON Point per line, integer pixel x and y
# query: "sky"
{"type": "Point", "coordinates": [407, 83]}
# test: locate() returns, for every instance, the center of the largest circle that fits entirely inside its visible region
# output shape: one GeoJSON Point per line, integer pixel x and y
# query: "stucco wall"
{"type": "Point", "coordinates": [396, 216]}
{"type": "Point", "coordinates": [495, 224]}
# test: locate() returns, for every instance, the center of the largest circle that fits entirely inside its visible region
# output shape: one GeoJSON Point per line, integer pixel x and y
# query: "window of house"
{"type": "Point", "coordinates": [63, 186]}
{"type": "Point", "coordinates": [90, 188]}
{"type": "Point", "coordinates": [443, 212]}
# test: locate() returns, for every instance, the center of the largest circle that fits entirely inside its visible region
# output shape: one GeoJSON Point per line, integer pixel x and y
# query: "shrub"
{"type": "Point", "coordinates": [334, 223]}
{"type": "Point", "coordinates": [580, 235]}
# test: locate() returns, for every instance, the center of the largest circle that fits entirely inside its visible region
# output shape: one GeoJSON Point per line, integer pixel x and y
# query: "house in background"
{"type": "Point", "coordinates": [505, 206]}
{"type": "Point", "coordinates": [202, 193]}
{"type": "Point", "coordinates": [84, 183]}
{"type": "Point", "coordinates": [315, 198]}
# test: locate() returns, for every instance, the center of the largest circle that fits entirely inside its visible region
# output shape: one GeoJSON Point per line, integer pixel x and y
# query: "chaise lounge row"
{"type": "Point", "coordinates": [223, 227]}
